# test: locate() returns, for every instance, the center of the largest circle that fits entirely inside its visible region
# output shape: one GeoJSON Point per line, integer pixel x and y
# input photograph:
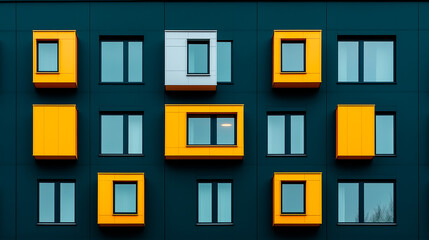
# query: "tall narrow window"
{"type": "Point", "coordinates": [47, 56]}
{"type": "Point", "coordinates": [198, 57]}
{"type": "Point", "coordinates": [293, 56]}
{"type": "Point", "coordinates": [125, 197]}
{"type": "Point", "coordinates": [211, 129]}
{"type": "Point", "coordinates": [214, 202]}
{"type": "Point", "coordinates": [293, 197]}
{"type": "Point", "coordinates": [286, 134]}
{"type": "Point", "coordinates": [384, 134]}
{"type": "Point", "coordinates": [224, 61]}
{"type": "Point", "coordinates": [56, 202]}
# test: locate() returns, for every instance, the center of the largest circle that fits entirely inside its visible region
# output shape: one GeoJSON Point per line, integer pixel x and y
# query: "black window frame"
{"type": "Point", "coordinates": [232, 63]}
{"type": "Point", "coordinates": [125, 40]}
{"type": "Point", "coordinates": [125, 143]}
{"type": "Point", "coordinates": [198, 41]}
{"type": "Point", "coordinates": [114, 197]}
{"type": "Point", "coordinates": [361, 201]}
{"type": "Point", "coordinates": [285, 41]}
{"type": "Point", "coordinates": [215, 191]}
{"type": "Point", "coordinates": [378, 113]}
{"type": "Point", "coordinates": [304, 183]}
{"type": "Point", "coordinates": [58, 55]}
{"type": "Point", "coordinates": [213, 128]}
{"type": "Point", "coordinates": [57, 202]}
{"type": "Point", "coordinates": [361, 40]}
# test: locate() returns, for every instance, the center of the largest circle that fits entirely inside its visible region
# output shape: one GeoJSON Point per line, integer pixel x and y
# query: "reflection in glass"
{"type": "Point", "coordinates": [348, 202]}
{"type": "Point", "coordinates": [47, 57]}
{"type": "Point", "coordinates": [125, 197]}
{"type": "Point", "coordinates": [67, 204]}
{"type": "Point", "coordinates": [198, 130]}
{"type": "Point", "coordinates": [378, 61]}
{"type": "Point", "coordinates": [293, 57]}
{"type": "Point", "coordinates": [293, 198]}
{"type": "Point", "coordinates": [204, 202]}
{"type": "Point", "coordinates": [297, 134]}
{"type": "Point", "coordinates": [225, 131]}
{"type": "Point", "coordinates": [276, 134]}
{"type": "Point", "coordinates": [135, 62]}
{"type": "Point", "coordinates": [224, 202]}
{"type": "Point", "coordinates": [224, 61]}
{"type": "Point", "coordinates": [384, 134]}
{"type": "Point", "coordinates": [348, 61]}
{"type": "Point", "coordinates": [112, 61]}
{"type": "Point", "coordinates": [112, 134]}
{"type": "Point", "coordinates": [46, 202]}
{"type": "Point", "coordinates": [198, 58]}
{"type": "Point", "coordinates": [378, 202]}
{"type": "Point", "coordinates": [135, 134]}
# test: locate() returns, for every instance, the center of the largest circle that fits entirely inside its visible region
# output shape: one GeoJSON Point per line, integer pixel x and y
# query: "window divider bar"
{"type": "Point", "coordinates": [57, 202]}
{"type": "Point", "coordinates": [213, 130]}
{"type": "Point", "coordinates": [125, 62]}
{"type": "Point", "coordinates": [125, 140]}
{"type": "Point", "coordinates": [288, 136]}
{"type": "Point", "coordinates": [360, 60]}
{"type": "Point", "coordinates": [214, 202]}
{"type": "Point", "coordinates": [361, 202]}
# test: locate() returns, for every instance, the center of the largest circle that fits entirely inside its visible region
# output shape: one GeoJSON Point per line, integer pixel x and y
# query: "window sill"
{"type": "Point", "coordinates": [56, 224]}
{"type": "Point", "coordinates": [293, 214]}
{"type": "Point", "coordinates": [366, 224]}
{"type": "Point", "coordinates": [365, 83]}
{"type": "Point", "coordinates": [125, 214]}
{"type": "Point", "coordinates": [293, 72]}
{"type": "Point", "coordinates": [121, 155]}
{"type": "Point", "coordinates": [47, 72]}
{"type": "Point", "coordinates": [225, 83]}
{"type": "Point", "coordinates": [286, 155]}
{"type": "Point", "coordinates": [211, 145]}
{"type": "Point", "coordinates": [385, 155]}
{"type": "Point", "coordinates": [121, 83]}
{"type": "Point", "coordinates": [198, 75]}
{"type": "Point", "coordinates": [215, 224]}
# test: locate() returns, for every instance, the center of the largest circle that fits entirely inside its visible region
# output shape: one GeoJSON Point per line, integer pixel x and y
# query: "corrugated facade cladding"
{"type": "Point", "coordinates": [171, 186]}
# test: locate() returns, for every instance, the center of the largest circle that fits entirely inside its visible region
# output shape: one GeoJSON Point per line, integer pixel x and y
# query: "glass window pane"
{"type": "Point", "coordinates": [67, 202]}
{"type": "Point", "coordinates": [293, 198]}
{"type": "Point", "coordinates": [348, 61]}
{"type": "Point", "coordinates": [297, 134]}
{"type": "Point", "coordinates": [199, 130]}
{"type": "Point", "coordinates": [225, 131]}
{"type": "Point", "coordinates": [135, 62]}
{"type": "Point", "coordinates": [198, 58]}
{"type": "Point", "coordinates": [112, 134]}
{"type": "Point", "coordinates": [384, 134]}
{"type": "Point", "coordinates": [135, 134]}
{"type": "Point", "coordinates": [204, 202]}
{"type": "Point", "coordinates": [293, 57]}
{"type": "Point", "coordinates": [125, 197]}
{"type": "Point", "coordinates": [112, 61]}
{"type": "Point", "coordinates": [348, 202]}
{"type": "Point", "coordinates": [276, 134]}
{"type": "Point", "coordinates": [378, 61]}
{"type": "Point", "coordinates": [224, 61]}
{"type": "Point", "coordinates": [47, 57]}
{"type": "Point", "coordinates": [224, 202]}
{"type": "Point", "coordinates": [46, 202]}
{"type": "Point", "coordinates": [378, 202]}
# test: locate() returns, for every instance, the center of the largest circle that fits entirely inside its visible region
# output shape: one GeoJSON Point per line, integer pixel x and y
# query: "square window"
{"type": "Point", "coordinates": [286, 134]}
{"type": "Point", "coordinates": [125, 197]}
{"type": "Point", "coordinates": [198, 57]}
{"type": "Point", "coordinates": [377, 202]}
{"type": "Point", "coordinates": [214, 202]}
{"type": "Point", "coordinates": [293, 56]}
{"type": "Point", "coordinates": [293, 198]}
{"type": "Point", "coordinates": [384, 134]}
{"type": "Point", "coordinates": [122, 134]}
{"type": "Point", "coordinates": [121, 60]}
{"type": "Point", "coordinates": [224, 61]}
{"type": "Point", "coordinates": [211, 129]}
{"type": "Point", "coordinates": [56, 202]}
{"type": "Point", "coordinates": [47, 56]}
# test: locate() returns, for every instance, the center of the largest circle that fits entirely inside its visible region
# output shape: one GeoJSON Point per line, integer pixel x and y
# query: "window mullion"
{"type": "Point", "coordinates": [214, 202]}
{"type": "Point", "coordinates": [361, 57]}
{"type": "Point", "coordinates": [361, 203]}
{"type": "Point", "coordinates": [213, 130]}
{"type": "Point", "coordinates": [125, 61]}
{"type": "Point", "coordinates": [57, 202]}
{"type": "Point", "coordinates": [125, 138]}
{"type": "Point", "coordinates": [288, 137]}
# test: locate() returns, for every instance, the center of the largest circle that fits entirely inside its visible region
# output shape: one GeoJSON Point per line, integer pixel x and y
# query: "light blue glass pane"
{"type": "Point", "coordinates": [384, 134]}
{"type": "Point", "coordinates": [125, 198]}
{"type": "Point", "coordinates": [199, 130]}
{"type": "Point", "coordinates": [378, 61]}
{"type": "Point", "coordinates": [112, 61]}
{"type": "Point", "coordinates": [67, 207]}
{"type": "Point", "coordinates": [204, 202]}
{"type": "Point", "coordinates": [293, 57]}
{"type": "Point", "coordinates": [297, 134]}
{"type": "Point", "coordinates": [348, 61]}
{"type": "Point", "coordinates": [47, 58]}
{"type": "Point", "coordinates": [225, 131]}
{"type": "Point", "coordinates": [292, 197]}
{"type": "Point", "coordinates": [224, 202]}
{"type": "Point", "coordinates": [46, 202]}
{"type": "Point", "coordinates": [276, 134]}
{"type": "Point", "coordinates": [378, 202]}
{"type": "Point", "coordinates": [112, 134]}
{"type": "Point", "coordinates": [135, 62]}
{"type": "Point", "coordinates": [198, 58]}
{"type": "Point", "coordinates": [224, 61]}
{"type": "Point", "coordinates": [135, 134]}
{"type": "Point", "coordinates": [348, 202]}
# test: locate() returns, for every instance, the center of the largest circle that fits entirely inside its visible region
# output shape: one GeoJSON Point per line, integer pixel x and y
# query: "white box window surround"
{"type": "Point", "coordinates": [179, 46]}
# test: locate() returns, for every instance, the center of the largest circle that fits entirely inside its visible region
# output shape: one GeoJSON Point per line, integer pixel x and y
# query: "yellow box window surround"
{"type": "Point", "coordinates": [311, 77]}
{"type": "Point", "coordinates": [106, 215]}
{"type": "Point", "coordinates": [176, 117]}
{"type": "Point", "coordinates": [66, 76]}
{"type": "Point", "coordinates": [355, 131]}
{"type": "Point", "coordinates": [312, 215]}
{"type": "Point", "coordinates": [54, 131]}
